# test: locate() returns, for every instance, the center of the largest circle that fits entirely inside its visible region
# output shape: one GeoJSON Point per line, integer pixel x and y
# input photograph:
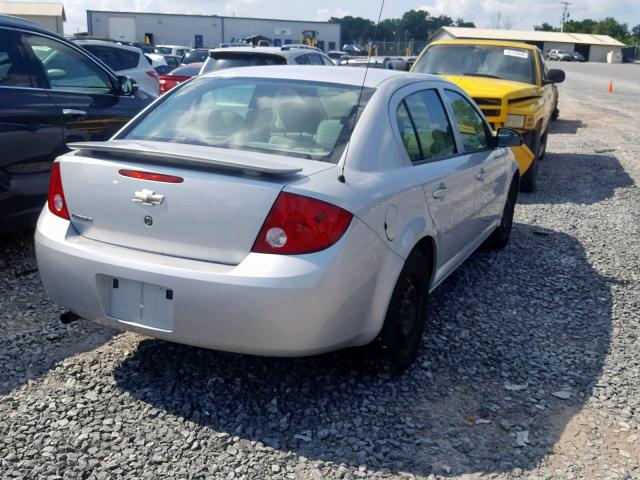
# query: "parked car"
{"type": "Point", "coordinates": [373, 62]}
{"type": "Point", "coordinates": [252, 230]}
{"type": "Point", "coordinates": [355, 50]}
{"type": "Point", "coordinates": [177, 50]}
{"type": "Point", "coordinates": [559, 55]}
{"type": "Point", "coordinates": [510, 83]}
{"type": "Point", "coordinates": [578, 57]}
{"type": "Point", "coordinates": [222, 58]}
{"type": "Point", "coordinates": [179, 75]}
{"type": "Point", "coordinates": [337, 54]}
{"type": "Point", "coordinates": [199, 55]}
{"type": "Point", "coordinates": [156, 60]}
{"type": "Point", "coordinates": [172, 60]}
{"type": "Point", "coordinates": [125, 60]}
{"type": "Point", "coordinates": [51, 92]}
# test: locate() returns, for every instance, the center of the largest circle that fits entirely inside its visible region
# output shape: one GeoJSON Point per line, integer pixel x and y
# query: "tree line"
{"type": "Point", "coordinates": [414, 25]}
{"type": "Point", "coordinates": [607, 26]}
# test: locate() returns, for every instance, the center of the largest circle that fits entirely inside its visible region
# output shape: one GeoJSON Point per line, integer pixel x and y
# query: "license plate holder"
{"type": "Point", "coordinates": [140, 303]}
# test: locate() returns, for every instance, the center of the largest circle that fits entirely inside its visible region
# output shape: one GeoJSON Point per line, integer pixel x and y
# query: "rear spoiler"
{"type": "Point", "coordinates": [142, 151]}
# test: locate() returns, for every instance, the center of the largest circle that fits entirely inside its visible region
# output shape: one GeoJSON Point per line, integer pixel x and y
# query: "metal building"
{"type": "Point", "coordinates": [595, 48]}
{"type": "Point", "coordinates": [204, 30]}
{"type": "Point", "coordinates": [48, 15]}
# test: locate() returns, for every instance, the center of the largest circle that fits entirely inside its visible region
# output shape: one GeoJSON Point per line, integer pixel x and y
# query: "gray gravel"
{"type": "Point", "coordinates": [530, 368]}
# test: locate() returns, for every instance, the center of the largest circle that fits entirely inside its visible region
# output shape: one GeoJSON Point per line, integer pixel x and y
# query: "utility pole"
{"type": "Point", "coordinates": [565, 14]}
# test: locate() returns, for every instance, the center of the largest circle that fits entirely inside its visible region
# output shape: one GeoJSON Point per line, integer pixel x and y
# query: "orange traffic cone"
{"type": "Point", "coordinates": [610, 86]}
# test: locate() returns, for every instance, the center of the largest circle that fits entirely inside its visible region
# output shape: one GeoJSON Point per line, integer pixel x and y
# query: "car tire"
{"type": "Point", "coordinates": [543, 145]}
{"type": "Point", "coordinates": [530, 177]}
{"type": "Point", "coordinates": [405, 321]}
{"type": "Point", "coordinates": [499, 238]}
{"type": "Point", "coordinates": [556, 114]}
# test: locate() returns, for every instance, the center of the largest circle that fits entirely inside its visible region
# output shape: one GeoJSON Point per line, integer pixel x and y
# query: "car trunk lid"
{"type": "Point", "coordinates": [213, 214]}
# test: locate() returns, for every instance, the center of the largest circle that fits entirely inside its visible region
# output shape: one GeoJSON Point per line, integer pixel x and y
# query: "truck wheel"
{"type": "Point", "coordinates": [406, 315]}
{"type": "Point", "coordinates": [500, 236]}
{"type": "Point", "coordinates": [555, 114]}
{"type": "Point", "coordinates": [530, 177]}
{"type": "Point", "coordinates": [543, 145]}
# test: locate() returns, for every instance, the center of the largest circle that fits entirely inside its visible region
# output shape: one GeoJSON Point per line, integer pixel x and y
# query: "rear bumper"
{"type": "Point", "coordinates": [268, 304]}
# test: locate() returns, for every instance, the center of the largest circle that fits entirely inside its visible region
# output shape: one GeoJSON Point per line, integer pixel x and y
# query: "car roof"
{"type": "Point", "coordinates": [327, 74]}
{"type": "Point", "coordinates": [471, 41]}
{"type": "Point", "coordinates": [108, 44]}
{"type": "Point", "coordinates": [285, 51]}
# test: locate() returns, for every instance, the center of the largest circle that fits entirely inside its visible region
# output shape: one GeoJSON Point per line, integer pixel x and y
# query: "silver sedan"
{"type": "Point", "coordinates": [281, 211]}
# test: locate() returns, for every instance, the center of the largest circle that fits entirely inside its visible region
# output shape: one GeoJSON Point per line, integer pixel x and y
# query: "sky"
{"type": "Point", "coordinates": [522, 13]}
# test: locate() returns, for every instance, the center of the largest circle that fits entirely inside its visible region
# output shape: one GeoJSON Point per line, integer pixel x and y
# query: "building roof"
{"type": "Point", "coordinates": [530, 36]}
{"type": "Point", "coordinates": [35, 9]}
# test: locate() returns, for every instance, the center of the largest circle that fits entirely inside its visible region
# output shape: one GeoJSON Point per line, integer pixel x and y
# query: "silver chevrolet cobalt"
{"type": "Point", "coordinates": [281, 211]}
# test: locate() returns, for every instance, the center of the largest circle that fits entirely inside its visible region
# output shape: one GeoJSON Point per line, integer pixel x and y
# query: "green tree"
{"type": "Point", "coordinates": [461, 23]}
{"type": "Point", "coordinates": [545, 27]}
{"type": "Point", "coordinates": [355, 29]}
{"type": "Point", "coordinates": [610, 26]}
{"type": "Point", "coordinates": [635, 32]}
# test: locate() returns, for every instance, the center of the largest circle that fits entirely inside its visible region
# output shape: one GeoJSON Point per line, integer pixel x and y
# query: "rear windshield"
{"type": "Point", "coordinates": [188, 71]}
{"type": "Point", "coordinates": [163, 50]}
{"type": "Point", "coordinates": [222, 60]}
{"type": "Point", "coordinates": [195, 56]}
{"type": "Point", "coordinates": [508, 63]}
{"type": "Point", "coordinates": [289, 117]}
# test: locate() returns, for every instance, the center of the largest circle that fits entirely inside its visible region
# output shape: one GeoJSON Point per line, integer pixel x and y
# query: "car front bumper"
{"type": "Point", "coordinates": [275, 305]}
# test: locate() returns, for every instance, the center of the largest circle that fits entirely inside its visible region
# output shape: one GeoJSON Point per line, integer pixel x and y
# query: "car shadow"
{"type": "Point", "coordinates": [566, 126]}
{"type": "Point", "coordinates": [581, 178]}
{"type": "Point", "coordinates": [506, 331]}
{"type": "Point", "coordinates": [32, 338]}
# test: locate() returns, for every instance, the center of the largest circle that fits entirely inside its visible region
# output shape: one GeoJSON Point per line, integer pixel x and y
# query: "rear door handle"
{"type": "Point", "coordinates": [441, 192]}
{"type": "Point", "coordinates": [72, 112]}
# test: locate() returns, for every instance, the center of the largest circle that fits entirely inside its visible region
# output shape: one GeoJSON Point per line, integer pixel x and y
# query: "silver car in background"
{"type": "Point", "coordinates": [281, 211]}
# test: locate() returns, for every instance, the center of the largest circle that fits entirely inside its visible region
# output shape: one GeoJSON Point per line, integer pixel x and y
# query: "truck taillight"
{"type": "Point", "coordinates": [56, 202]}
{"type": "Point", "coordinates": [297, 224]}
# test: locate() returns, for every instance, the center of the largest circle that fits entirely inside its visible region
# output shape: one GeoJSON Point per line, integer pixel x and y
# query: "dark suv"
{"type": "Point", "coordinates": [51, 92]}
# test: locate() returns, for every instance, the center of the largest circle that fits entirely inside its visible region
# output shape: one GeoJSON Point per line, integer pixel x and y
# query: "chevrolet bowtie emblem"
{"type": "Point", "coordinates": [148, 197]}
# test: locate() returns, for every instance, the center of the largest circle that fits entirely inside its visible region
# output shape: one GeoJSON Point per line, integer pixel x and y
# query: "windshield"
{"type": "Point", "coordinates": [222, 60]}
{"type": "Point", "coordinates": [508, 63]}
{"type": "Point", "coordinates": [304, 119]}
{"type": "Point", "coordinates": [163, 50]}
{"type": "Point", "coordinates": [195, 56]}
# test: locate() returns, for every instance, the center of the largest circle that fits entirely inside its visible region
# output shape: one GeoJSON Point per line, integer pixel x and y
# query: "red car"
{"type": "Point", "coordinates": [179, 75]}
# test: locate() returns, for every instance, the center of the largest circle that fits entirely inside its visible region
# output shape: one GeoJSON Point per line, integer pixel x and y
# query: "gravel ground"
{"type": "Point", "coordinates": [530, 367]}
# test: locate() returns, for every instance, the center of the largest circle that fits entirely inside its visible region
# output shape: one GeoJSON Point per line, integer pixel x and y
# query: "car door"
{"type": "Point", "coordinates": [83, 90]}
{"type": "Point", "coordinates": [30, 132]}
{"type": "Point", "coordinates": [489, 172]}
{"type": "Point", "coordinates": [445, 172]}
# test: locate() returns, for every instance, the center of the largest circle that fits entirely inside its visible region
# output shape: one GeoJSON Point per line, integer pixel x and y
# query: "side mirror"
{"type": "Point", "coordinates": [555, 76]}
{"type": "Point", "coordinates": [126, 85]}
{"type": "Point", "coordinates": [506, 137]}
{"type": "Point", "coordinates": [397, 65]}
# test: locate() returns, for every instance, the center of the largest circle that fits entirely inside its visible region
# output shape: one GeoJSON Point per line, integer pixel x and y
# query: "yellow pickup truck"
{"type": "Point", "coordinates": [510, 83]}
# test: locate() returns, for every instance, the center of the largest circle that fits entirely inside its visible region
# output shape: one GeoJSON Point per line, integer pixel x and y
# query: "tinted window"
{"type": "Point", "coordinates": [67, 68]}
{"type": "Point", "coordinates": [180, 52]}
{"type": "Point", "coordinates": [13, 70]}
{"type": "Point", "coordinates": [195, 56]}
{"type": "Point", "coordinates": [470, 123]}
{"type": "Point", "coordinates": [301, 60]}
{"type": "Point", "coordinates": [490, 61]}
{"type": "Point", "coordinates": [116, 58]}
{"type": "Point", "coordinates": [163, 50]}
{"type": "Point", "coordinates": [297, 118]}
{"type": "Point", "coordinates": [327, 61]}
{"type": "Point", "coordinates": [189, 70]}
{"type": "Point", "coordinates": [432, 134]}
{"type": "Point", "coordinates": [222, 60]}
{"type": "Point", "coordinates": [314, 59]}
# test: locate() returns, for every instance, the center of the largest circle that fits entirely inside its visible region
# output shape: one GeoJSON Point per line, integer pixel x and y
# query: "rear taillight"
{"type": "Point", "coordinates": [298, 224]}
{"type": "Point", "coordinates": [56, 201]}
{"type": "Point", "coordinates": [152, 73]}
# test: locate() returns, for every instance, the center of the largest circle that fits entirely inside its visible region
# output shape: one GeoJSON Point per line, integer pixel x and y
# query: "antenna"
{"type": "Point", "coordinates": [565, 13]}
{"type": "Point", "coordinates": [364, 80]}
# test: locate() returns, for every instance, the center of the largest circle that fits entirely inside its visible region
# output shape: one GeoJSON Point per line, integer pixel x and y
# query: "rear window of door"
{"type": "Point", "coordinates": [471, 124]}
{"type": "Point", "coordinates": [66, 68]}
{"type": "Point", "coordinates": [314, 59]}
{"type": "Point", "coordinates": [117, 58]}
{"type": "Point", "coordinates": [425, 129]}
{"type": "Point", "coordinates": [14, 71]}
